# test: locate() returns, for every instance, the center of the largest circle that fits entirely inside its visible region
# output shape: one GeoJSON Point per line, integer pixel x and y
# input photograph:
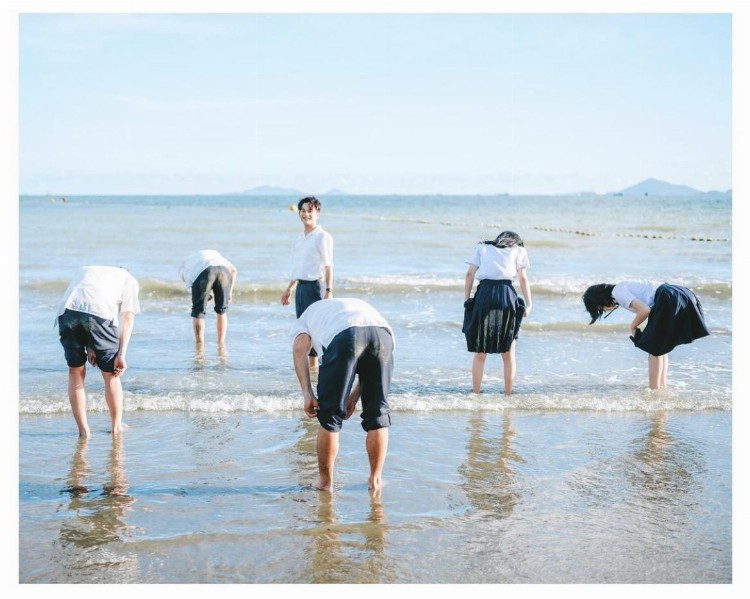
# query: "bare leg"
{"type": "Point", "coordinates": [377, 448]}
{"type": "Point", "coordinates": [477, 372]}
{"type": "Point", "coordinates": [222, 322]}
{"type": "Point", "coordinates": [664, 369]}
{"type": "Point", "coordinates": [327, 446]}
{"type": "Point", "coordinates": [656, 372]}
{"type": "Point", "coordinates": [509, 368]}
{"type": "Point", "coordinates": [198, 326]}
{"type": "Point", "coordinates": [113, 396]}
{"type": "Point", "coordinates": [313, 362]}
{"type": "Point", "coordinates": [77, 397]}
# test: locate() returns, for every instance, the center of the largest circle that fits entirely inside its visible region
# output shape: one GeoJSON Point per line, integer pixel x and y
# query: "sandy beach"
{"type": "Point", "coordinates": [483, 497]}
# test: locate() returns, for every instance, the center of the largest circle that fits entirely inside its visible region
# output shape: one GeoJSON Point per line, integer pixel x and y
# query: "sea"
{"type": "Point", "coordinates": [582, 475]}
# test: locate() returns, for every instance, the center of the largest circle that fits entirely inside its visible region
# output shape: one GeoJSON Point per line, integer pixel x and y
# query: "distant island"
{"type": "Point", "coordinates": [655, 187]}
{"type": "Point", "coordinates": [647, 187]}
{"type": "Point", "coordinates": [270, 190]}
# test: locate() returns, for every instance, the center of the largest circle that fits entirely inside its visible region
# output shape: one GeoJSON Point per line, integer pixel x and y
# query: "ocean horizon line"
{"type": "Point", "coordinates": [571, 194]}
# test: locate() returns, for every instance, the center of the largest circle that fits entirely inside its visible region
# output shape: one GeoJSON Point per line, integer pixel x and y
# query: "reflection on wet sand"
{"type": "Point", "coordinates": [97, 525]}
{"type": "Point", "coordinates": [489, 477]}
{"type": "Point", "coordinates": [666, 467]}
{"type": "Point", "coordinates": [348, 553]}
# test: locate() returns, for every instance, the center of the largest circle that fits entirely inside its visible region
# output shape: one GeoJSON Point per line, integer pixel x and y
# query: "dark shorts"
{"type": "Point", "coordinates": [80, 332]}
{"type": "Point", "coordinates": [213, 280]}
{"type": "Point", "coordinates": [363, 351]}
{"type": "Point", "coordinates": [306, 293]}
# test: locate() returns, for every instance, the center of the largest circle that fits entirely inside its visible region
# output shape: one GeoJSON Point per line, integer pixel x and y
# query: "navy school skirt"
{"type": "Point", "coordinates": [492, 318]}
{"type": "Point", "coordinates": [676, 318]}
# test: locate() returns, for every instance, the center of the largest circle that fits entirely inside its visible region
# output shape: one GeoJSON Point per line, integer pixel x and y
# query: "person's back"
{"type": "Point", "coordinates": [323, 320]}
{"type": "Point", "coordinates": [95, 321]}
{"type": "Point", "coordinates": [101, 291]}
{"type": "Point", "coordinates": [209, 275]}
{"type": "Point", "coordinates": [195, 263]}
{"type": "Point", "coordinates": [353, 340]}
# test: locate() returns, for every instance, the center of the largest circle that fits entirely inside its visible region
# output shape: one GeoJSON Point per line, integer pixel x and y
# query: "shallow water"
{"type": "Point", "coordinates": [484, 497]}
{"type": "Point", "coordinates": [582, 475]}
{"type": "Point", "coordinates": [406, 257]}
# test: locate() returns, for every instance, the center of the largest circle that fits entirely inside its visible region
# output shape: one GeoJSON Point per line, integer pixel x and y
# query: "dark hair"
{"type": "Point", "coordinates": [506, 239]}
{"type": "Point", "coordinates": [596, 298]}
{"type": "Point", "coordinates": [312, 200]}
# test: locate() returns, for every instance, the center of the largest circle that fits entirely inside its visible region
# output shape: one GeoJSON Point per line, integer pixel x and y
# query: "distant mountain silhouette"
{"type": "Point", "coordinates": [268, 190]}
{"type": "Point", "coordinates": [655, 187]}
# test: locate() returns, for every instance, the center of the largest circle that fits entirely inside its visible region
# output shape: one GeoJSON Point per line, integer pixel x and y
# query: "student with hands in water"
{"type": "Point", "coordinates": [673, 316]}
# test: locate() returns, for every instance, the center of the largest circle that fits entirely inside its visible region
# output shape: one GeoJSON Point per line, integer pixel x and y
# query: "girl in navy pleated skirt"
{"type": "Point", "coordinates": [492, 318]}
{"type": "Point", "coordinates": [674, 314]}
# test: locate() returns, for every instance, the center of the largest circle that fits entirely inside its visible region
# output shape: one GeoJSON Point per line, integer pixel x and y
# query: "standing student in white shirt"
{"type": "Point", "coordinates": [208, 274]}
{"type": "Point", "coordinates": [492, 318]}
{"type": "Point", "coordinates": [312, 266]}
{"type": "Point", "coordinates": [673, 316]}
{"type": "Point", "coordinates": [95, 321]}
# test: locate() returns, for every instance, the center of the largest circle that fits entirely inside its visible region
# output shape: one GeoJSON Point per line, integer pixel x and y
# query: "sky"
{"type": "Point", "coordinates": [372, 103]}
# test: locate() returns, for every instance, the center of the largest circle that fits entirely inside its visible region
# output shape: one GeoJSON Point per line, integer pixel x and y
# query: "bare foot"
{"type": "Point", "coordinates": [324, 485]}
{"type": "Point", "coordinates": [376, 486]}
{"type": "Point", "coordinates": [117, 430]}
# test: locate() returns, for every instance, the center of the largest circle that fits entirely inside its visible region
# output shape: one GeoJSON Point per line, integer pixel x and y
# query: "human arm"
{"type": "Point", "coordinates": [642, 312]}
{"type": "Point", "coordinates": [300, 351]}
{"type": "Point", "coordinates": [288, 292]}
{"type": "Point", "coordinates": [126, 328]}
{"type": "Point", "coordinates": [523, 282]}
{"type": "Point", "coordinates": [354, 396]}
{"type": "Point", "coordinates": [469, 281]}
{"type": "Point", "coordinates": [233, 271]}
{"type": "Point", "coordinates": [329, 282]}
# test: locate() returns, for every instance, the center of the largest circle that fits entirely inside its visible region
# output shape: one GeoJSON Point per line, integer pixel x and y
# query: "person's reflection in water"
{"type": "Point", "coordinates": [223, 354]}
{"type": "Point", "coordinates": [666, 465]}
{"type": "Point", "coordinates": [98, 518]}
{"type": "Point", "coordinates": [302, 454]}
{"type": "Point", "coordinates": [328, 563]}
{"type": "Point", "coordinates": [79, 470]}
{"type": "Point", "coordinates": [199, 360]}
{"type": "Point", "coordinates": [352, 553]}
{"type": "Point", "coordinates": [488, 471]}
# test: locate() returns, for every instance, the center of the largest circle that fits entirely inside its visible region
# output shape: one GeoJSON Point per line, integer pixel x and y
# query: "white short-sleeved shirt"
{"type": "Point", "coordinates": [103, 291]}
{"type": "Point", "coordinates": [626, 291]}
{"type": "Point", "coordinates": [325, 319]}
{"type": "Point", "coordinates": [312, 253]}
{"type": "Point", "coordinates": [498, 263]}
{"type": "Point", "coordinates": [196, 263]}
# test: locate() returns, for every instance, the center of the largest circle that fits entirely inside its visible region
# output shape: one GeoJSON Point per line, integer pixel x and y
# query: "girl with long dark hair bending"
{"type": "Point", "coordinates": [674, 313]}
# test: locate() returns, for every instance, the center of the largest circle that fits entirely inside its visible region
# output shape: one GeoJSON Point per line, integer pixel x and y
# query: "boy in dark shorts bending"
{"type": "Point", "coordinates": [209, 274]}
{"type": "Point", "coordinates": [95, 321]}
{"type": "Point", "coordinates": [353, 339]}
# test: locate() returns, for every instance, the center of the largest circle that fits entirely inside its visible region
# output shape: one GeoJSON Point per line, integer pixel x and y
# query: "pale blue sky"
{"type": "Point", "coordinates": [373, 103]}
